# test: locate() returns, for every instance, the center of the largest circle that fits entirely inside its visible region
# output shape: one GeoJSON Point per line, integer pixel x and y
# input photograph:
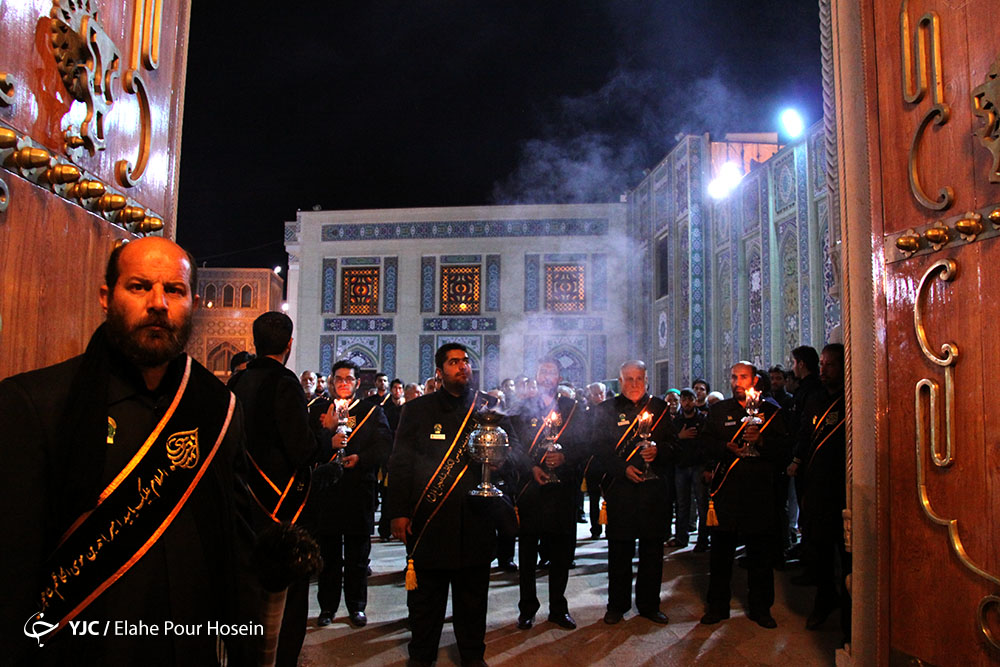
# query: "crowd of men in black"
{"type": "Point", "coordinates": [147, 492]}
{"type": "Point", "coordinates": [704, 467]}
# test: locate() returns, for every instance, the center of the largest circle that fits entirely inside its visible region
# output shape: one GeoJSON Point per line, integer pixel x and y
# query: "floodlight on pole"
{"type": "Point", "coordinates": [792, 123]}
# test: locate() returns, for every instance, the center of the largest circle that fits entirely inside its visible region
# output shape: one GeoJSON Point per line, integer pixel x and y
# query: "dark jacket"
{"type": "Point", "coordinates": [279, 438]}
{"type": "Point", "coordinates": [193, 573]}
{"type": "Point", "coordinates": [550, 508]}
{"type": "Point", "coordinates": [743, 493]}
{"type": "Point", "coordinates": [634, 510]}
{"type": "Point", "coordinates": [347, 507]}
{"type": "Point", "coordinates": [690, 451]}
{"type": "Point", "coordinates": [463, 531]}
{"type": "Point", "coordinates": [821, 449]}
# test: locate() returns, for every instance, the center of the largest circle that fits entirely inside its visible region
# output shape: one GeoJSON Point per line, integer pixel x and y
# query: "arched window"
{"type": "Point", "coordinates": [246, 297]}
{"type": "Point", "coordinates": [228, 296]}
{"type": "Point", "coordinates": [219, 358]}
{"type": "Point", "coordinates": [210, 295]}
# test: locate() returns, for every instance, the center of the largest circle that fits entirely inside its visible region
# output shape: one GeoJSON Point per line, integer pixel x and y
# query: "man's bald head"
{"type": "Point", "coordinates": [113, 270]}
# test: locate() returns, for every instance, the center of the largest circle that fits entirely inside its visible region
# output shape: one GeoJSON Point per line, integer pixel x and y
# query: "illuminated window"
{"type": "Point", "coordinates": [360, 291]}
{"type": "Point", "coordinates": [246, 297]}
{"type": "Point", "coordinates": [459, 290]}
{"type": "Point", "coordinates": [565, 290]}
{"type": "Point", "coordinates": [228, 296]}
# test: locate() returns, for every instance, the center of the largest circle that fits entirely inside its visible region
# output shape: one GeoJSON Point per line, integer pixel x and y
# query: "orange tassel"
{"type": "Point", "coordinates": [517, 515]}
{"type": "Point", "coordinates": [711, 519]}
{"type": "Point", "coordinates": [602, 518]}
{"type": "Point", "coordinates": [411, 576]}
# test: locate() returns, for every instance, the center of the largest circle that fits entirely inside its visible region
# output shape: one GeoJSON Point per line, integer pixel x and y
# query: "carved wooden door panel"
{"type": "Point", "coordinates": [91, 95]}
{"type": "Point", "coordinates": [934, 95]}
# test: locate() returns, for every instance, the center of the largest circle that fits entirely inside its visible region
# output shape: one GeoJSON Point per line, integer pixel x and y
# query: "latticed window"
{"type": "Point", "coordinates": [565, 288]}
{"type": "Point", "coordinates": [459, 290]}
{"type": "Point", "coordinates": [360, 293]}
{"type": "Point", "coordinates": [228, 296]}
{"type": "Point", "coordinates": [246, 297]}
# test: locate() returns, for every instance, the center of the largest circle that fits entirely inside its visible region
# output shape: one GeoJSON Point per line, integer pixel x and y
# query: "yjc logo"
{"type": "Point", "coordinates": [36, 628]}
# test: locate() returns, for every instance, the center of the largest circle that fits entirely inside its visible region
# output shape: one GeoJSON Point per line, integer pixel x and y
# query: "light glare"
{"type": "Point", "coordinates": [792, 123]}
{"type": "Point", "coordinates": [726, 181]}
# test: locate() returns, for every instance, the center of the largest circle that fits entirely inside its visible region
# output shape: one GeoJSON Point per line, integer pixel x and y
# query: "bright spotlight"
{"type": "Point", "coordinates": [728, 178]}
{"type": "Point", "coordinates": [284, 307]}
{"type": "Point", "coordinates": [792, 123]}
{"type": "Point", "coordinates": [277, 269]}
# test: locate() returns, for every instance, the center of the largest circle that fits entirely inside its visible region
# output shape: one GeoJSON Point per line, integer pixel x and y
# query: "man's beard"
{"type": "Point", "coordinates": [456, 386]}
{"type": "Point", "coordinates": [140, 345]}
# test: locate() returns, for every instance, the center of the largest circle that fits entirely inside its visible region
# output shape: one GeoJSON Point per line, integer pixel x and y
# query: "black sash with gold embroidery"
{"type": "Point", "coordinates": [447, 476]}
{"type": "Point", "coordinates": [282, 500]}
{"type": "Point", "coordinates": [136, 508]}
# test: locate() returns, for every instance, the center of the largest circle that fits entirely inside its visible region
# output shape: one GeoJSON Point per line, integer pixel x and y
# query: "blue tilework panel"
{"type": "Point", "coordinates": [387, 231]}
{"type": "Point", "coordinates": [681, 182]}
{"type": "Point", "coordinates": [362, 350]}
{"type": "Point", "coordinates": [599, 358]}
{"type": "Point", "coordinates": [389, 356]}
{"type": "Point", "coordinates": [784, 184]}
{"type": "Point", "coordinates": [831, 306]}
{"type": "Point", "coordinates": [697, 236]}
{"type": "Point", "coordinates": [566, 257]}
{"type": "Point", "coordinates": [727, 311]}
{"type": "Point", "coordinates": [428, 273]}
{"type": "Point", "coordinates": [683, 365]}
{"type": "Point", "coordinates": [491, 362]}
{"type": "Point", "coordinates": [326, 353]}
{"type": "Point", "coordinates": [357, 324]}
{"type": "Point", "coordinates": [492, 283]}
{"type": "Point", "coordinates": [361, 261]}
{"type": "Point", "coordinates": [532, 278]}
{"type": "Point", "coordinates": [754, 290]}
{"type": "Point", "coordinates": [460, 324]}
{"type": "Point", "coordinates": [461, 259]}
{"type": "Point", "coordinates": [599, 282]}
{"type": "Point", "coordinates": [788, 257]}
{"type": "Point", "coordinates": [329, 285]}
{"type": "Point", "coordinates": [802, 218]}
{"type": "Point", "coordinates": [425, 352]}
{"type": "Point", "coordinates": [390, 291]}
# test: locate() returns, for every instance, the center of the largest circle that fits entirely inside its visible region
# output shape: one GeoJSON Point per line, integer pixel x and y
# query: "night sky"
{"type": "Point", "coordinates": [417, 103]}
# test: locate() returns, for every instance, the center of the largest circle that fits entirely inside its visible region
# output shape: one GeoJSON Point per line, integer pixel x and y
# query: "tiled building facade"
{"type": "Point", "coordinates": [231, 299]}
{"type": "Point", "coordinates": [749, 276]}
{"type": "Point", "coordinates": [513, 283]}
{"type": "Point", "coordinates": [686, 282]}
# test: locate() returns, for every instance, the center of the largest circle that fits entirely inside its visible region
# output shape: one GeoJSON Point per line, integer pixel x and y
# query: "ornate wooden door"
{"type": "Point", "coordinates": [933, 98]}
{"type": "Point", "coordinates": [91, 95]}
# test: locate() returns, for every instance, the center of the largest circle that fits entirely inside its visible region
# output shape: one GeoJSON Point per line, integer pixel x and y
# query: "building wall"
{"type": "Point", "coordinates": [220, 329]}
{"type": "Point", "coordinates": [515, 249]}
{"type": "Point", "coordinates": [748, 277]}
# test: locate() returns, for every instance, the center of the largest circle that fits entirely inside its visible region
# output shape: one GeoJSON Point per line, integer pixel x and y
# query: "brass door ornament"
{"type": "Point", "coordinates": [944, 269]}
{"type": "Point", "coordinates": [146, 28]}
{"type": "Point", "coordinates": [4, 196]}
{"type": "Point", "coordinates": [7, 82]}
{"type": "Point", "coordinates": [916, 61]}
{"type": "Point", "coordinates": [87, 59]}
{"type": "Point", "coordinates": [985, 99]}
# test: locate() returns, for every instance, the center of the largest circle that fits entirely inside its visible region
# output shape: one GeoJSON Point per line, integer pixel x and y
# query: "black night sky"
{"type": "Point", "coordinates": [385, 104]}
